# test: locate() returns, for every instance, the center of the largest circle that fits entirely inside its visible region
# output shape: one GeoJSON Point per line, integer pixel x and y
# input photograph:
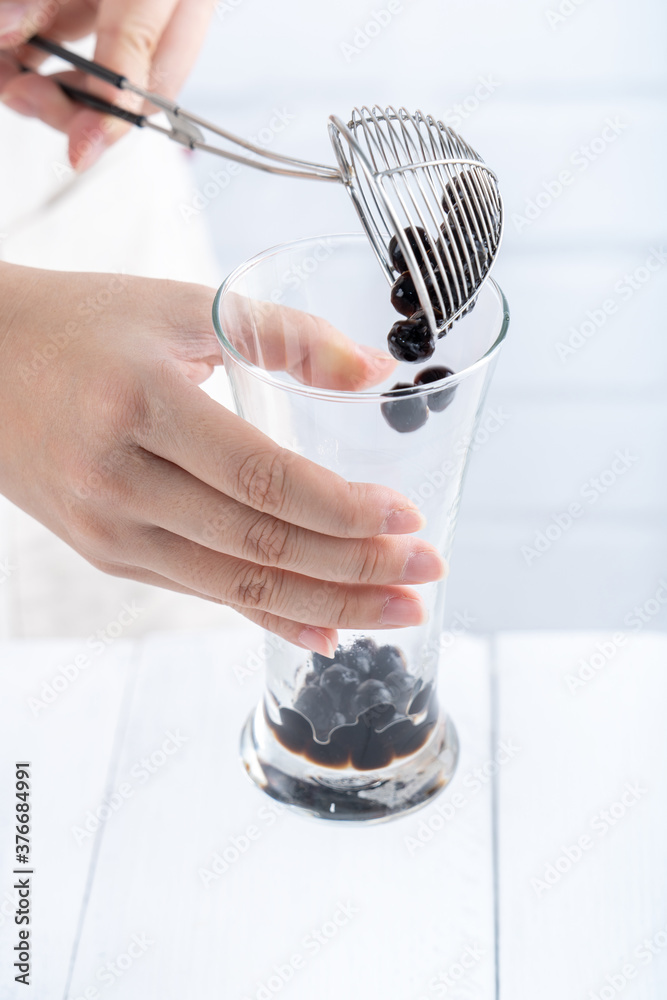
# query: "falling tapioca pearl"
{"type": "Point", "coordinates": [407, 413]}
{"type": "Point", "coordinates": [437, 401]}
{"type": "Point", "coordinates": [411, 339]}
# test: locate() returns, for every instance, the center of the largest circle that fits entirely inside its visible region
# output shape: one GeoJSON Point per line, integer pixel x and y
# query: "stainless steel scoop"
{"type": "Point", "coordinates": [423, 195]}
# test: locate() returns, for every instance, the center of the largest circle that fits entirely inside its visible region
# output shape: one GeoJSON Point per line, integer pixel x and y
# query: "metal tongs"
{"type": "Point", "coordinates": [184, 127]}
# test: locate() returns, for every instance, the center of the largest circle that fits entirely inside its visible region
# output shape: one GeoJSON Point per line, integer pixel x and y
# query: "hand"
{"type": "Point", "coordinates": [106, 437]}
{"type": "Point", "coordinates": [152, 42]}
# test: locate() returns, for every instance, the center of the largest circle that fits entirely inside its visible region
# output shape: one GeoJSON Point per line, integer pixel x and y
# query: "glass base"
{"type": "Point", "coordinates": [346, 794]}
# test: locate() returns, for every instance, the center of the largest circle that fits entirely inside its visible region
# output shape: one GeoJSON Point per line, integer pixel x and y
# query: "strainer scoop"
{"type": "Point", "coordinates": [426, 200]}
{"type": "Point", "coordinates": [425, 197]}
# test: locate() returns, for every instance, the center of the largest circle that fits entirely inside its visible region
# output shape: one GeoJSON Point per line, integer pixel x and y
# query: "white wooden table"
{"type": "Point", "coordinates": [540, 873]}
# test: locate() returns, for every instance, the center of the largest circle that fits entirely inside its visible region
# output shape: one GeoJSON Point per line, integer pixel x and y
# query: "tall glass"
{"type": "Point", "coordinates": [370, 742]}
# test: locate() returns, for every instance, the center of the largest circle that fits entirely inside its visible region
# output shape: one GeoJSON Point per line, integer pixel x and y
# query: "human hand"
{"type": "Point", "coordinates": [106, 437]}
{"type": "Point", "coordinates": [152, 42]}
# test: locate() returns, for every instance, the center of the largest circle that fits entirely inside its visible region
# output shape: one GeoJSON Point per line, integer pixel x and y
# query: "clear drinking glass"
{"type": "Point", "coordinates": [337, 750]}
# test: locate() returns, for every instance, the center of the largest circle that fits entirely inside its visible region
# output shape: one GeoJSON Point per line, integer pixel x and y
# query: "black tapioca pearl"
{"type": "Point", "coordinates": [419, 242]}
{"type": "Point", "coordinates": [405, 413]}
{"type": "Point", "coordinates": [437, 401]}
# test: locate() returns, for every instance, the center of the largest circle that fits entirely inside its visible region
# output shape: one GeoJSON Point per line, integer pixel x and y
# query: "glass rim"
{"type": "Point", "coordinates": [343, 394]}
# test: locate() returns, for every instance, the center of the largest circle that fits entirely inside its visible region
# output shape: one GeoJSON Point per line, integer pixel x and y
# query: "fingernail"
{"type": "Point", "coordinates": [20, 105]}
{"type": "Point", "coordinates": [11, 18]}
{"type": "Point", "coordinates": [88, 152]}
{"type": "Point", "coordinates": [374, 352]}
{"type": "Point", "coordinates": [317, 642]}
{"type": "Point", "coordinates": [400, 522]}
{"type": "Point", "coordinates": [403, 611]}
{"type": "Point", "coordinates": [424, 567]}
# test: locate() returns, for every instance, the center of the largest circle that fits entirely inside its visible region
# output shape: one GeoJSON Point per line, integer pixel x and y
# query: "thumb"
{"type": "Point", "coordinates": [279, 338]}
{"type": "Point", "coordinates": [128, 34]}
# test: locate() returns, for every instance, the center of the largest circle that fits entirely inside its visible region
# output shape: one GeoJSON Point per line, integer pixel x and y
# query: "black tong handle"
{"type": "Point", "coordinates": [92, 68]}
{"type": "Point", "coordinates": [99, 104]}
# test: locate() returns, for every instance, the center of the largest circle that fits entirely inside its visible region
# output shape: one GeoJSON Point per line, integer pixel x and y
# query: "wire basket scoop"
{"type": "Point", "coordinates": [426, 199]}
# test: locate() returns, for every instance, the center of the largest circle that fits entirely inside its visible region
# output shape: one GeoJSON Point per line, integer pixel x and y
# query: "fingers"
{"type": "Point", "coordinates": [179, 45]}
{"type": "Point", "coordinates": [152, 42]}
{"type": "Point", "coordinates": [18, 21]}
{"type": "Point", "coordinates": [43, 99]}
{"type": "Point", "coordinates": [172, 499]}
{"type": "Point", "coordinates": [128, 33]}
{"type": "Point", "coordinates": [219, 448]}
{"type": "Point", "coordinates": [60, 20]}
{"type": "Point", "coordinates": [287, 595]}
{"type": "Point", "coordinates": [322, 641]}
{"type": "Point", "coordinates": [318, 640]}
{"type": "Point", "coordinates": [40, 97]}
{"type": "Point", "coordinates": [9, 68]}
{"type": "Point", "coordinates": [279, 338]}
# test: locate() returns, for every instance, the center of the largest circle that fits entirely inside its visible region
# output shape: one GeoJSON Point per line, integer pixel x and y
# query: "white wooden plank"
{"type": "Point", "coordinates": [416, 912]}
{"type": "Point", "coordinates": [68, 740]}
{"type": "Point", "coordinates": [587, 750]}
